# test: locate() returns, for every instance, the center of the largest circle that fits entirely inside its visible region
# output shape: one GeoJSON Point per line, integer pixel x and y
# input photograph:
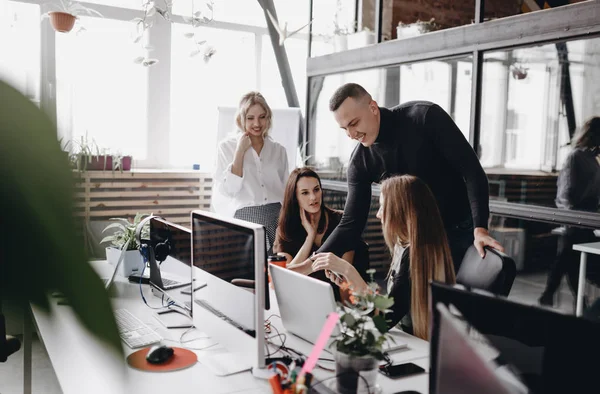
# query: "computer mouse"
{"type": "Point", "coordinates": [159, 354]}
{"type": "Point", "coordinates": [407, 392]}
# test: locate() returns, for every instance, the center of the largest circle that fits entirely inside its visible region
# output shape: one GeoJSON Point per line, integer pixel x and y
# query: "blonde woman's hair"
{"type": "Point", "coordinates": [411, 218]}
{"type": "Point", "coordinates": [247, 101]}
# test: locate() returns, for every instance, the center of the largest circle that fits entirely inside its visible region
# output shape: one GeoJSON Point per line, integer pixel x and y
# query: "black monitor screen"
{"type": "Point", "coordinates": [176, 240]}
{"type": "Point", "coordinates": [225, 250]}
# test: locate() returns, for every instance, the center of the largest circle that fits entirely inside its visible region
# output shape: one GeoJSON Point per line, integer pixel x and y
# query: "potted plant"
{"type": "Point", "coordinates": [123, 232]}
{"type": "Point", "coordinates": [404, 30]}
{"type": "Point", "coordinates": [359, 346]}
{"type": "Point", "coordinates": [85, 155]}
{"type": "Point", "coordinates": [64, 15]}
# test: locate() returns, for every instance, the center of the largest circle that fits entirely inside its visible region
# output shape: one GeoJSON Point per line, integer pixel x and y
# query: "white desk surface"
{"type": "Point", "coordinates": [591, 247]}
{"type": "Point", "coordinates": [83, 364]}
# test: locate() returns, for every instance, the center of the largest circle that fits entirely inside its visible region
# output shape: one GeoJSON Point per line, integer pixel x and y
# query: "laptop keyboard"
{"type": "Point", "coordinates": [204, 304]}
{"type": "Point", "coordinates": [133, 331]}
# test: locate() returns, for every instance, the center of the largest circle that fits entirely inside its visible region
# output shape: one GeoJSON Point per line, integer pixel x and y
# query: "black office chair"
{"type": "Point", "coordinates": [8, 343]}
{"type": "Point", "coordinates": [495, 272]}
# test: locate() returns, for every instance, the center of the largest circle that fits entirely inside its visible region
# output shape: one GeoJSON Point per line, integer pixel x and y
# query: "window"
{"type": "Point", "coordinates": [21, 59]}
{"type": "Point", "coordinates": [100, 91]}
{"type": "Point", "coordinates": [525, 117]}
{"type": "Point", "coordinates": [446, 83]}
{"type": "Point", "coordinates": [199, 88]}
{"type": "Point", "coordinates": [270, 81]}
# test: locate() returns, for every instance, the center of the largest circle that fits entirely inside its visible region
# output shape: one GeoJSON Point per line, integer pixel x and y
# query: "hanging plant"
{"type": "Point", "coordinates": [164, 9]}
{"type": "Point", "coordinates": [197, 19]}
{"type": "Point", "coordinates": [64, 15]}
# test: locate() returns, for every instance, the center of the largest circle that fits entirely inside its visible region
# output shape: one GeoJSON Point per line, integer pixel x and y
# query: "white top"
{"type": "Point", "coordinates": [263, 178]}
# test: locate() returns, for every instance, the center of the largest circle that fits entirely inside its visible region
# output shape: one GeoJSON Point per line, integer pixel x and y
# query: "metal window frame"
{"type": "Point", "coordinates": [509, 209]}
{"type": "Point", "coordinates": [566, 23]}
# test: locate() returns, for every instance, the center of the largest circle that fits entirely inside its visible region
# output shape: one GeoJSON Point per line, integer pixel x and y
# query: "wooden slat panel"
{"type": "Point", "coordinates": [130, 212]}
{"type": "Point", "coordinates": [148, 193]}
{"type": "Point", "coordinates": [137, 184]}
{"type": "Point", "coordinates": [94, 205]}
{"type": "Point", "coordinates": [145, 174]}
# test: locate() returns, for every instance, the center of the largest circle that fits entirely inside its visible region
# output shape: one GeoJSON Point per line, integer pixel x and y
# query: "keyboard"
{"type": "Point", "coordinates": [204, 304]}
{"type": "Point", "coordinates": [133, 331]}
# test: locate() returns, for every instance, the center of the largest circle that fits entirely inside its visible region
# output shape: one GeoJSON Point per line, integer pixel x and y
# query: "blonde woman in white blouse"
{"type": "Point", "coordinates": [252, 169]}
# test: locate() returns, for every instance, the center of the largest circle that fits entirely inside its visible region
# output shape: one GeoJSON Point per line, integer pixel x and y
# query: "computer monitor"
{"type": "Point", "coordinates": [459, 368]}
{"type": "Point", "coordinates": [227, 250]}
{"type": "Point", "coordinates": [549, 351]}
{"type": "Point", "coordinates": [170, 239]}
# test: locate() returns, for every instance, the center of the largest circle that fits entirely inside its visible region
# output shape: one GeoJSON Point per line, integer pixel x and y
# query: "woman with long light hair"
{"type": "Point", "coordinates": [251, 169]}
{"type": "Point", "coordinates": [414, 233]}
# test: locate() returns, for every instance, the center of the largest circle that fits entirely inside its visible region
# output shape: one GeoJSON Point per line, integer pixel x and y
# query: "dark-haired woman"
{"type": "Point", "coordinates": [305, 222]}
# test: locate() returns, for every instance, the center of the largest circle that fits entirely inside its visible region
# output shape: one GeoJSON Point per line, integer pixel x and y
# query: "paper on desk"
{"type": "Point", "coordinates": [225, 363]}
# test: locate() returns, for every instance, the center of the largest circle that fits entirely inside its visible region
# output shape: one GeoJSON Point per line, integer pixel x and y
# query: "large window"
{"type": "Point", "coordinates": [89, 77]}
{"type": "Point", "coordinates": [21, 59]}
{"type": "Point", "coordinates": [528, 96]}
{"type": "Point", "coordinates": [198, 88]}
{"type": "Point", "coordinates": [100, 91]}
{"type": "Point", "coordinates": [534, 101]}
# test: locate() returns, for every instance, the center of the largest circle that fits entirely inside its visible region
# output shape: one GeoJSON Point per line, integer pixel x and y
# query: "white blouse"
{"type": "Point", "coordinates": [263, 178]}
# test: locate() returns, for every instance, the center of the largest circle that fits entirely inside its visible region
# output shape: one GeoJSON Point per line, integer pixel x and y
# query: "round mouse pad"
{"type": "Point", "coordinates": [182, 358]}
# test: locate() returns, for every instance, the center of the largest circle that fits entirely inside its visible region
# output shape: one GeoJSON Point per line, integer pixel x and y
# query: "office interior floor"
{"type": "Point", "coordinates": [527, 289]}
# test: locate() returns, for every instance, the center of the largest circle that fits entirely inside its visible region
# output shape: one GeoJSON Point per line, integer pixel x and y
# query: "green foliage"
{"type": "Point", "coordinates": [82, 151]}
{"type": "Point", "coordinates": [126, 231]}
{"type": "Point", "coordinates": [40, 251]}
{"type": "Point", "coordinates": [363, 326]}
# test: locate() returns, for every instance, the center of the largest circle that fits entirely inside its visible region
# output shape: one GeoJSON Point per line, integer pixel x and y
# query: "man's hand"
{"type": "Point", "coordinates": [482, 238]}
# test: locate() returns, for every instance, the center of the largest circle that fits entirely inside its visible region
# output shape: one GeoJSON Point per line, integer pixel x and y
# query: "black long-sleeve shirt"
{"type": "Point", "coordinates": [417, 138]}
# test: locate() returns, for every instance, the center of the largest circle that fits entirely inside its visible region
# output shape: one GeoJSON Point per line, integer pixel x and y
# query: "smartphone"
{"type": "Point", "coordinates": [400, 370]}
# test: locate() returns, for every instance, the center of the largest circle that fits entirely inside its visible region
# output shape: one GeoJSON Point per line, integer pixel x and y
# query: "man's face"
{"type": "Point", "coordinates": [360, 119]}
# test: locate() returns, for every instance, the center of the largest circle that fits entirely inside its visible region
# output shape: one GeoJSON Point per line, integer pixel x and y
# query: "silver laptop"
{"type": "Point", "coordinates": [304, 304]}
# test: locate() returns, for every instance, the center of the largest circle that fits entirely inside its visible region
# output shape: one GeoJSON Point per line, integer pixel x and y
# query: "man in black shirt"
{"type": "Point", "coordinates": [417, 138]}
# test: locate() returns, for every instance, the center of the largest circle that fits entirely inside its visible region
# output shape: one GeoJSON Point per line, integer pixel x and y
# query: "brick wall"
{"type": "Point", "coordinates": [451, 13]}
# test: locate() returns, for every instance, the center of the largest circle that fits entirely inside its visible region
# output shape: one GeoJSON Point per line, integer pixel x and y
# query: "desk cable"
{"type": "Point", "coordinates": [144, 253]}
{"type": "Point", "coordinates": [290, 353]}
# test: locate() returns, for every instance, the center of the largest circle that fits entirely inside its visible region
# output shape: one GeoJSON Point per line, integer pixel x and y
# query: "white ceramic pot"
{"type": "Point", "coordinates": [131, 264]}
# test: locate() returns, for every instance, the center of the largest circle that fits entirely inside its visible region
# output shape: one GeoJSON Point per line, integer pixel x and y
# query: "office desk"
{"type": "Point", "coordinates": [593, 248]}
{"type": "Point", "coordinates": [83, 364]}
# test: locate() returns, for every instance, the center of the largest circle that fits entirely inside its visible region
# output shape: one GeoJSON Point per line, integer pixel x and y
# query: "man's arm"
{"type": "Point", "coordinates": [452, 144]}
{"type": "Point", "coordinates": [356, 212]}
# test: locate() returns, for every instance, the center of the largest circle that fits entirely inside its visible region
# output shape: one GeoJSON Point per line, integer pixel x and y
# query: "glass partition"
{"type": "Point", "coordinates": [445, 82]}
{"type": "Point", "coordinates": [534, 101]}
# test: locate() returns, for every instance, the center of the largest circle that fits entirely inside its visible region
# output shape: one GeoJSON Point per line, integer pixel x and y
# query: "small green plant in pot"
{"type": "Point", "coordinates": [359, 346]}
{"type": "Point", "coordinates": [123, 231]}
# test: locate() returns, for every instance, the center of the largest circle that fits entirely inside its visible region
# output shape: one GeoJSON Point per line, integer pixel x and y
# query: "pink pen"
{"type": "Point", "coordinates": [326, 331]}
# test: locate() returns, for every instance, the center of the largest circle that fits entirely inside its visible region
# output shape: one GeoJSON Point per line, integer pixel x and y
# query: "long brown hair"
{"type": "Point", "coordinates": [411, 218]}
{"type": "Point", "coordinates": [290, 225]}
{"type": "Point", "coordinates": [589, 137]}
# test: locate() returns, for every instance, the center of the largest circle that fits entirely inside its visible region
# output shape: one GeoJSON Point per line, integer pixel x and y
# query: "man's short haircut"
{"type": "Point", "coordinates": [353, 90]}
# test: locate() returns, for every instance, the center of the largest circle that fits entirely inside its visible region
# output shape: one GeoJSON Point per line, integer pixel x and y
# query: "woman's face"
{"type": "Point", "coordinates": [380, 210]}
{"type": "Point", "coordinates": [256, 120]}
{"type": "Point", "coordinates": [309, 194]}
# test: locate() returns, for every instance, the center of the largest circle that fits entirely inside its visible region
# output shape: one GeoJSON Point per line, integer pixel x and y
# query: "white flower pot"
{"type": "Point", "coordinates": [131, 264]}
